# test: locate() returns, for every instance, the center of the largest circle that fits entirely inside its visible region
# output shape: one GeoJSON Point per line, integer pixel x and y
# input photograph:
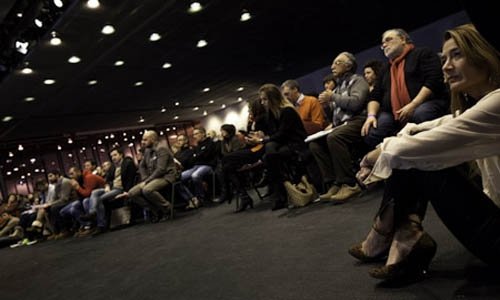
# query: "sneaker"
{"type": "Point", "coordinates": [346, 192]}
{"type": "Point", "coordinates": [334, 189]}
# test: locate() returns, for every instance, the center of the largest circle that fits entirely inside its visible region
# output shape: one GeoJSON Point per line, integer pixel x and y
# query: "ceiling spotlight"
{"type": "Point", "coordinates": [7, 118]}
{"type": "Point", "coordinates": [206, 90]}
{"type": "Point", "coordinates": [240, 99]}
{"type": "Point", "coordinates": [111, 136]}
{"type": "Point", "coordinates": [131, 145]}
{"type": "Point", "coordinates": [74, 60]}
{"type": "Point", "coordinates": [176, 117]}
{"type": "Point", "coordinates": [211, 101]}
{"type": "Point", "coordinates": [27, 71]}
{"type": "Point", "coordinates": [29, 99]}
{"type": "Point", "coordinates": [154, 37]}
{"type": "Point", "coordinates": [92, 82]}
{"type": "Point", "coordinates": [93, 4]}
{"type": "Point", "coordinates": [58, 3]}
{"type": "Point", "coordinates": [119, 63]}
{"type": "Point", "coordinates": [22, 47]}
{"type": "Point", "coordinates": [201, 43]}
{"type": "Point", "coordinates": [55, 40]}
{"type": "Point", "coordinates": [124, 134]}
{"type": "Point", "coordinates": [205, 113]}
{"type": "Point", "coordinates": [59, 147]}
{"type": "Point", "coordinates": [20, 147]}
{"type": "Point", "coordinates": [11, 154]}
{"type": "Point", "coordinates": [141, 119]}
{"type": "Point", "coordinates": [15, 169]}
{"type": "Point", "coordinates": [138, 83]}
{"type": "Point", "coordinates": [223, 106]}
{"type": "Point", "coordinates": [245, 16]}
{"type": "Point", "coordinates": [240, 89]}
{"type": "Point", "coordinates": [177, 104]}
{"type": "Point", "coordinates": [108, 29]}
{"type": "Point", "coordinates": [195, 7]}
{"type": "Point", "coordinates": [163, 109]}
{"type": "Point", "coordinates": [49, 81]}
{"type": "Point", "coordinates": [99, 142]}
{"type": "Point", "coordinates": [38, 23]}
{"type": "Point", "coordinates": [19, 15]}
{"type": "Point", "coordinates": [167, 65]}
{"type": "Point", "coordinates": [70, 141]}
{"type": "Point", "coordinates": [196, 108]}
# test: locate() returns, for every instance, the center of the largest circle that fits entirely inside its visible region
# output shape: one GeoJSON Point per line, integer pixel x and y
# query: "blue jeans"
{"type": "Point", "coordinates": [387, 126]}
{"type": "Point", "coordinates": [95, 204]}
{"type": "Point", "coordinates": [196, 174]}
{"type": "Point", "coordinates": [73, 210]}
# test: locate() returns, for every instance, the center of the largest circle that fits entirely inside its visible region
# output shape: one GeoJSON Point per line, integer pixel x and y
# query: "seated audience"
{"type": "Point", "coordinates": [372, 70]}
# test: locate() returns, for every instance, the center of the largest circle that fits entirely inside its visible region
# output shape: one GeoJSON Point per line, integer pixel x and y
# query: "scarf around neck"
{"type": "Point", "coordinates": [399, 91]}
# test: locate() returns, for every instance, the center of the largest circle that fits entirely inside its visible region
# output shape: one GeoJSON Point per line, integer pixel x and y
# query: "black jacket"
{"type": "Point", "coordinates": [128, 174]}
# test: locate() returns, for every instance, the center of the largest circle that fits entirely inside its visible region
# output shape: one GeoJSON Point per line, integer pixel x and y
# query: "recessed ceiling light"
{"type": "Point", "coordinates": [205, 113]}
{"type": "Point", "coordinates": [211, 101]}
{"type": "Point", "coordinates": [49, 81]}
{"type": "Point", "coordinates": [167, 65]}
{"type": "Point", "coordinates": [245, 16]}
{"type": "Point", "coordinates": [55, 40]}
{"type": "Point", "coordinates": [163, 109]}
{"type": "Point", "coordinates": [19, 15]}
{"type": "Point", "coordinates": [240, 99]}
{"type": "Point", "coordinates": [38, 23]}
{"type": "Point", "coordinates": [177, 104]}
{"type": "Point", "coordinates": [7, 118]}
{"type": "Point", "coordinates": [74, 60]}
{"type": "Point", "coordinates": [206, 90]}
{"type": "Point", "coordinates": [92, 82]}
{"type": "Point", "coordinates": [58, 3]}
{"type": "Point", "coordinates": [29, 99]}
{"type": "Point", "coordinates": [119, 63]}
{"type": "Point", "coordinates": [20, 147]}
{"type": "Point", "coordinates": [27, 71]}
{"type": "Point", "coordinates": [154, 37]}
{"type": "Point", "coordinates": [196, 108]}
{"type": "Point", "coordinates": [223, 106]}
{"type": "Point", "coordinates": [93, 4]}
{"type": "Point", "coordinates": [141, 119]}
{"type": "Point", "coordinates": [195, 7]}
{"type": "Point", "coordinates": [108, 29]}
{"type": "Point", "coordinates": [176, 117]}
{"type": "Point", "coordinates": [201, 43]}
{"type": "Point", "coordinates": [240, 89]}
{"type": "Point", "coordinates": [138, 83]}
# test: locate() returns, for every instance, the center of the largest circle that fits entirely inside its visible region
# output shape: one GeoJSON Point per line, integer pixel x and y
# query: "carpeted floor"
{"type": "Point", "coordinates": [212, 253]}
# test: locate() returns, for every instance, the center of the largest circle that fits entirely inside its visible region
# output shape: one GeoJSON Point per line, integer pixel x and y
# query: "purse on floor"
{"type": "Point", "coordinates": [301, 193]}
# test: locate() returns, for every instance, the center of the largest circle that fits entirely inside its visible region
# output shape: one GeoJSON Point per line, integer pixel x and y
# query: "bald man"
{"type": "Point", "coordinates": [157, 170]}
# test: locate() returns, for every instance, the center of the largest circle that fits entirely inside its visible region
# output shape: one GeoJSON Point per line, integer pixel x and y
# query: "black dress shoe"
{"type": "Point", "coordinates": [88, 217]}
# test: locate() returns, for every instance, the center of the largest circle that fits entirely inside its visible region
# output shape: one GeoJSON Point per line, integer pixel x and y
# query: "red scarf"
{"type": "Point", "coordinates": [399, 92]}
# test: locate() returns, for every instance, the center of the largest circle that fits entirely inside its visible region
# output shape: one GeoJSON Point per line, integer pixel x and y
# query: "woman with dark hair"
{"type": "Point", "coordinates": [435, 161]}
{"type": "Point", "coordinates": [285, 138]}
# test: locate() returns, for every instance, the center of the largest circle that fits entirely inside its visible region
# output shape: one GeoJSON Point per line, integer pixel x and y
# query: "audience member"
{"type": "Point", "coordinates": [308, 107]}
{"type": "Point", "coordinates": [334, 153]}
{"type": "Point", "coordinates": [410, 90]}
{"type": "Point", "coordinates": [433, 161]}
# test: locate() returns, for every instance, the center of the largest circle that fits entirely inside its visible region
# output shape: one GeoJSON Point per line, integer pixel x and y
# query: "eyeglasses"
{"type": "Point", "coordinates": [339, 62]}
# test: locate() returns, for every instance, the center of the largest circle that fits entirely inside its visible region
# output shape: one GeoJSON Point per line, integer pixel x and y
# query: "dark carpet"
{"type": "Point", "coordinates": [212, 253]}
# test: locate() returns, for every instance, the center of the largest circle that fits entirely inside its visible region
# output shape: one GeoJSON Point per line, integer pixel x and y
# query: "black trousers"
{"type": "Point", "coordinates": [235, 160]}
{"type": "Point", "coordinates": [459, 202]}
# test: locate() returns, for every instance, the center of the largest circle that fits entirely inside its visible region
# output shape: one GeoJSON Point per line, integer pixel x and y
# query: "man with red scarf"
{"type": "Point", "coordinates": [410, 90]}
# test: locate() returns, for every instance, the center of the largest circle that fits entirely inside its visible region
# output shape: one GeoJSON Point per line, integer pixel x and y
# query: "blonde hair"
{"type": "Point", "coordinates": [479, 53]}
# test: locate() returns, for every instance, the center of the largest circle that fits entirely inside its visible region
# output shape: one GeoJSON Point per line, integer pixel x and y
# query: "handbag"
{"type": "Point", "coordinates": [301, 193]}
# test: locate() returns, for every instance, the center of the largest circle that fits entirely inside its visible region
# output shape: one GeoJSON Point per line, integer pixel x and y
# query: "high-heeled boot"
{"type": "Point", "coordinates": [245, 201]}
{"type": "Point", "coordinates": [414, 265]}
{"type": "Point", "coordinates": [280, 197]}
